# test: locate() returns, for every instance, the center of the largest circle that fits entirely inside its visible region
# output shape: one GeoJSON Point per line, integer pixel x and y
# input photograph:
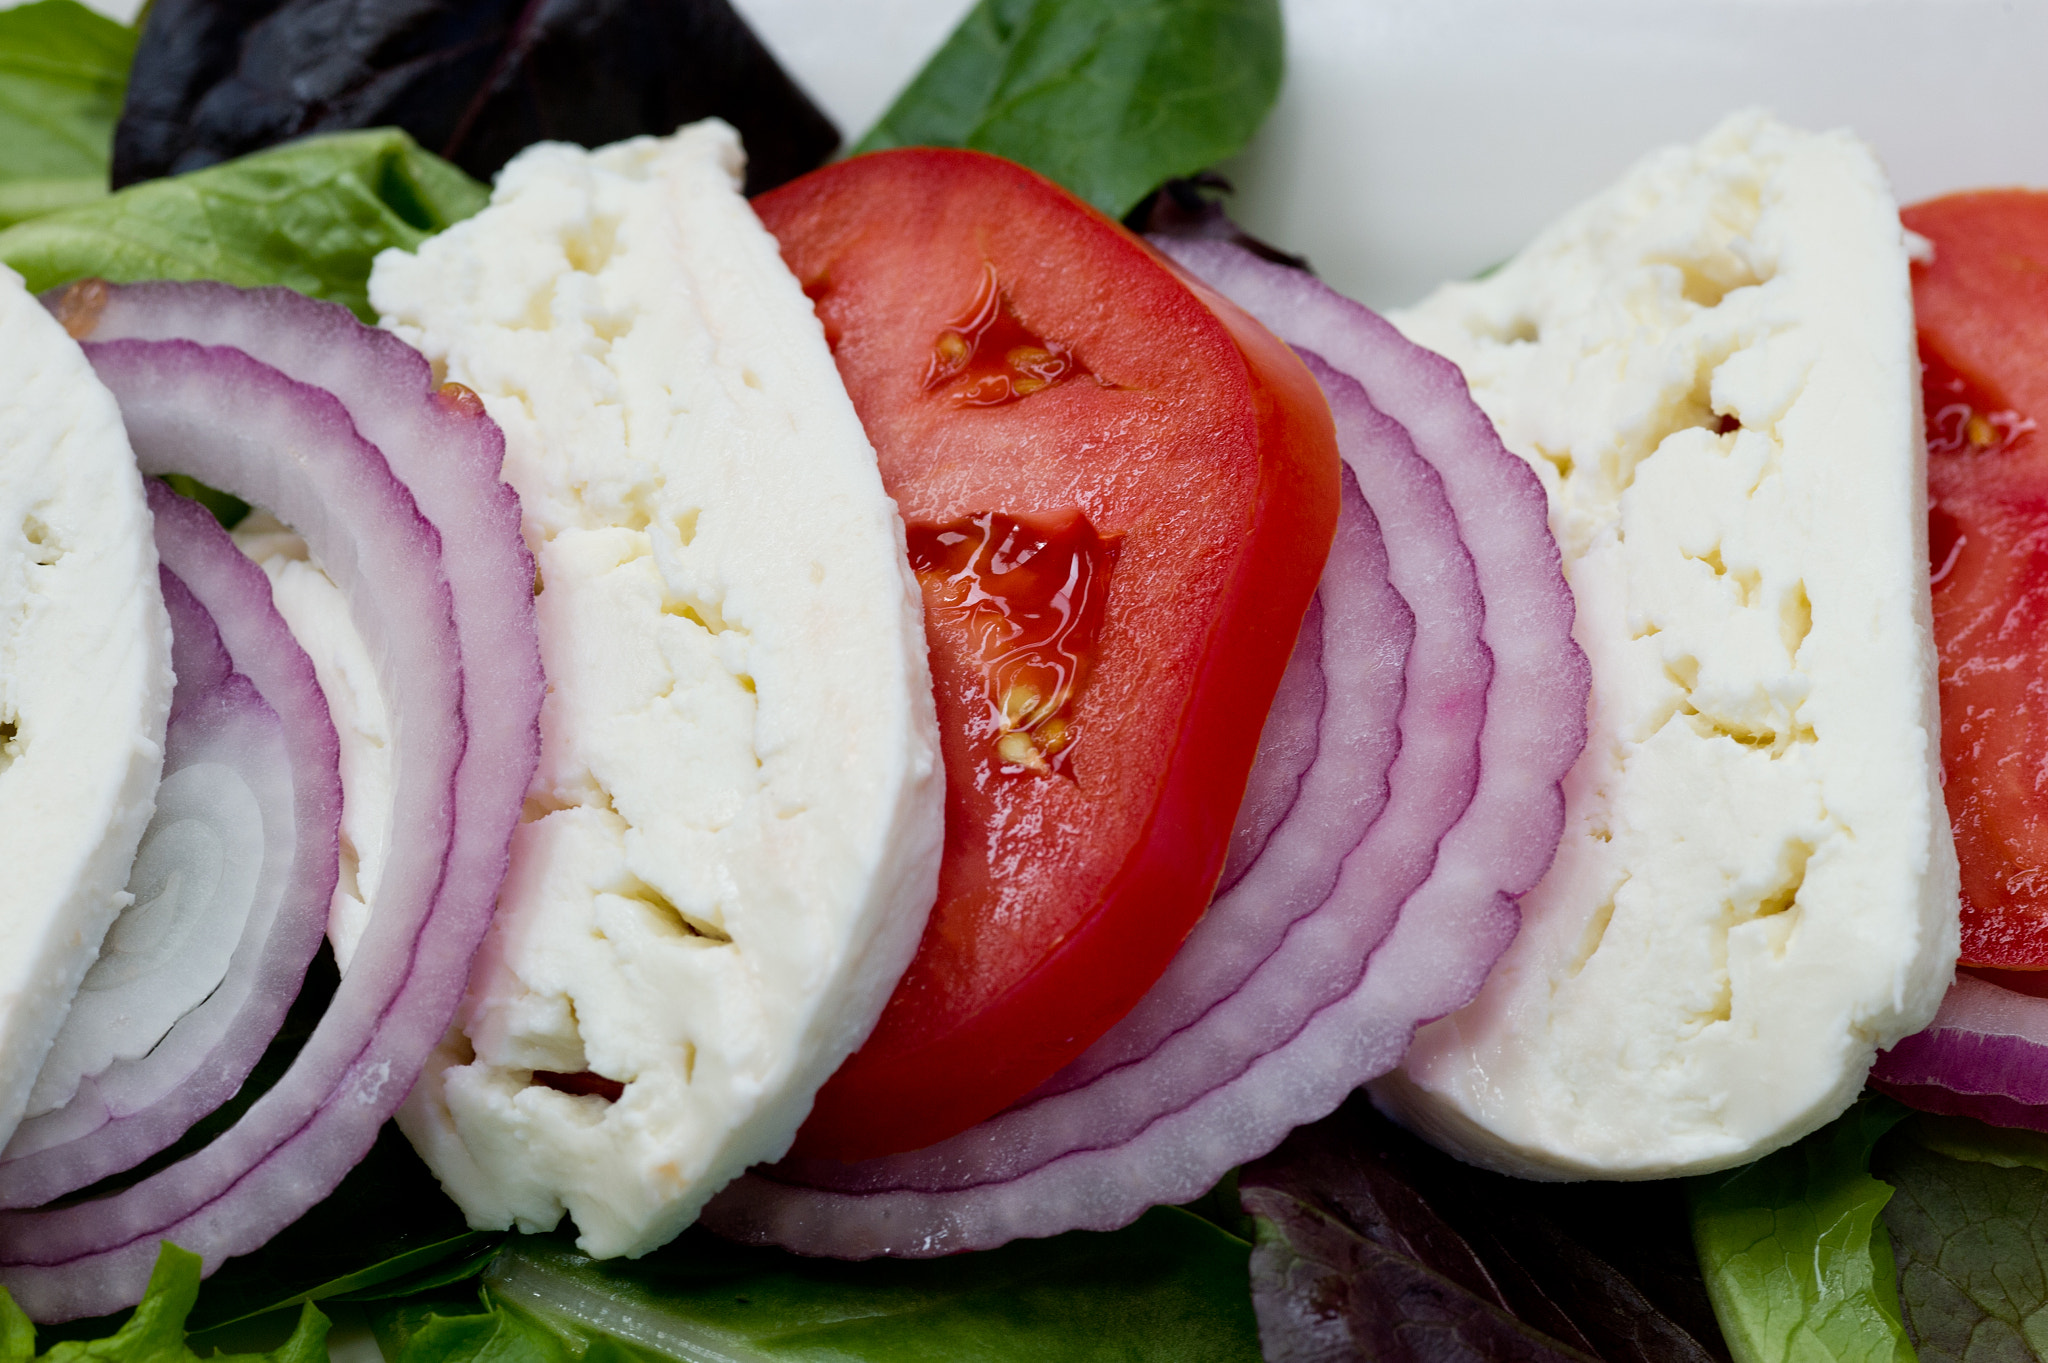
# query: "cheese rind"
{"type": "Point", "coordinates": [85, 678]}
{"type": "Point", "coordinates": [733, 837]}
{"type": "Point", "coordinates": [1712, 368]}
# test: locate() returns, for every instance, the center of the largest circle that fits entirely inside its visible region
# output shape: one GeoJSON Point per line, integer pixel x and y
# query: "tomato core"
{"type": "Point", "coordinates": [985, 357]}
{"type": "Point", "coordinates": [1030, 592]}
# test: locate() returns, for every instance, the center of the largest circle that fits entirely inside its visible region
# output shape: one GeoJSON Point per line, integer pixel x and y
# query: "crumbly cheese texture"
{"type": "Point", "coordinates": [85, 678]}
{"type": "Point", "coordinates": [1712, 369]}
{"type": "Point", "coordinates": [318, 613]}
{"type": "Point", "coordinates": [733, 838]}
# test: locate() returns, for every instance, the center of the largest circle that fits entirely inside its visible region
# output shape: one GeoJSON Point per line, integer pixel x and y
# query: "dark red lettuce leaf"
{"type": "Point", "coordinates": [474, 80]}
{"type": "Point", "coordinates": [1372, 1245]}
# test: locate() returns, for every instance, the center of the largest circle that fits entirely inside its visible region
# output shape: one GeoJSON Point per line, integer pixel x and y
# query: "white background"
{"type": "Point", "coordinates": [1418, 140]}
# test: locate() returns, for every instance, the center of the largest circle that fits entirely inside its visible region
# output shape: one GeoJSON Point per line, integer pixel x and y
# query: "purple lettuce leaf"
{"type": "Point", "coordinates": [1371, 1245]}
{"type": "Point", "coordinates": [472, 80]}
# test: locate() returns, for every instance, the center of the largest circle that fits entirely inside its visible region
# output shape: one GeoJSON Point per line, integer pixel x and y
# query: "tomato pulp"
{"type": "Point", "coordinates": [1982, 309]}
{"type": "Point", "coordinates": [1119, 491]}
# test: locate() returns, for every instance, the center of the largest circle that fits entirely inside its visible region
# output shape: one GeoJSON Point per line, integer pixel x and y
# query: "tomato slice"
{"type": "Point", "coordinates": [1982, 309]}
{"type": "Point", "coordinates": [1058, 410]}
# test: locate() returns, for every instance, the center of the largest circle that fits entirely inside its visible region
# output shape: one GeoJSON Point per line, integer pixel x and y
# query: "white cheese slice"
{"type": "Point", "coordinates": [1712, 368]}
{"type": "Point", "coordinates": [733, 838]}
{"type": "Point", "coordinates": [318, 613]}
{"type": "Point", "coordinates": [85, 678]}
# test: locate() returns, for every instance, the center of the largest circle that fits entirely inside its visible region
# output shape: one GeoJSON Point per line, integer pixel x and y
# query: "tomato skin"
{"type": "Point", "coordinates": [1198, 443]}
{"type": "Point", "coordinates": [1982, 309]}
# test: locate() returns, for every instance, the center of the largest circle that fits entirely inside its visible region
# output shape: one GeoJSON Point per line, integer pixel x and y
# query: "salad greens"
{"type": "Point", "coordinates": [1370, 1244]}
{"type": "Point", "coordinates": [1969, 1226]}
{"type": "Point", "coordinates": [1107, 97]}
{"type": "Point", "coordinates": [310, 215]}
{"type": "Point", "coordinates": [62, 71]}
{"type": "Point", "coordinates": [1795, 1254]}
{"type": "Point", "coordinates": [1169, 1287]}
{"type": "Point", "coordinates": [1373, 1245]}
{"type": "Point", "coordinates": [1885, 1236]}
{"type": "Point", "coordinates": [472, 80]}
{"type": "Point", "coordinates": [155, 1332]}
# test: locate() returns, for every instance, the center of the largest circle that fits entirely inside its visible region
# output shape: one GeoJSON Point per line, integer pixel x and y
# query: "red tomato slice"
{"type": "Point", "coordinates": [1982, 308]}
{"type": "Point", "coordinates": [1120, 492]}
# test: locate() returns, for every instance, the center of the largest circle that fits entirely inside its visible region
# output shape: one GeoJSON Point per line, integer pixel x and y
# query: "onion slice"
{"type": "Point", "coordinates": [1985, 1055]}
{"type": "Point", "coordinates": [440, 444]}
{"type": "Point", "coordinates": [1536, 703]}
{"type": "Point", "coordinates": [458, 661]}
{"type": "Point", "coordinates": [225, 634]}
{"type": "Point", "coordinates": [1281, 1001]}
{"type": "Point", "coordinates": [225, 419]}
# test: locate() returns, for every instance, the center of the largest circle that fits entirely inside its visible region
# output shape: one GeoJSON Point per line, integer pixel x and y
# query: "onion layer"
{"type": "Point", "coordinates": [1404, 794]}
{"type": "Point", "coordinates": [459, 663]}
{"type": "Point", "coordinates": [447, 453]}
{"type": "Point", "coordinates": [1985, 1055]}
{"type": "Point", "coordinates": [224, 629]}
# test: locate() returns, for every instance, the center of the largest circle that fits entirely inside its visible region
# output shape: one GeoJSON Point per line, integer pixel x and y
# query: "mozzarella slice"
{"type": "Point", "coordinates": [1712, 368]}
{"type": "Point", "coordinates": [733, 838]}
{"type": "Point", "coordinates": [85, 678]}
{"type": "Point", "coordinates": [318, 613]}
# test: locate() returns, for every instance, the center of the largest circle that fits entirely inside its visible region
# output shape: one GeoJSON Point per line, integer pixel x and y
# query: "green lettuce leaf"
{"type": "Point", "coordinates": [1795, 1252]}
{"type": "Point", "coordinates": [62, 72]}
{"type": "Point", "coordinates": [155, 1332]}
{"type": "Point", "coordinates": [1170, 1287]}
{"type": "Point", "coordinates": [421, 1333]}
{"type": "Point", "coordinates": [1969, 1224]}
{"type": "Point", "coordinates": [310, 215]}
{"type": "Point", "coordinates": [1107, 97]}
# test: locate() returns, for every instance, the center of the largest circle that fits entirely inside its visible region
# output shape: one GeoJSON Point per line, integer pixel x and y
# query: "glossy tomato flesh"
{"type": "Point", "coordinates": [1982, 308]}
{"type": "Point", "coordinates": [1119, 492]}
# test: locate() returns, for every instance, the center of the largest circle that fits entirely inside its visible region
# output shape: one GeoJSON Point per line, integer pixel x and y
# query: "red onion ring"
{"type": "Point", "coordinates": [471, 743]}
{"type": "Point", "coordinates": [1456, 925]}
{"type": "Point", "coordinates": [223, 418]}
{"type": "Point", "coordinates": [1985, 1055]}
{"type": "Point", "coordinates": [1263, 1020]}
{"type": "Point", "coordinates": [447, 453]}
{"type": "Point", "coordinates": [222, 624]}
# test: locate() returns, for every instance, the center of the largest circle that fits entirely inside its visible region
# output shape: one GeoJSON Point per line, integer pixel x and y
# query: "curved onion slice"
{"type": "Point", "coordinates": [207, 869]}
{"type": "Point", "coordinates": [225, 419]}
{"type": "Point", "coordinates": [446, 452]}
{"type": "Point", "coordinates": [467, 753]}
{"type": "Point", "coordinates": [1281, 1001]}
{"type": "Point", "coordinates": [1536, 705]}
{"type": "Point", "coordinates": [1985, 1055]}
{"type": "Point", "coordinates": [189, 1063]}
